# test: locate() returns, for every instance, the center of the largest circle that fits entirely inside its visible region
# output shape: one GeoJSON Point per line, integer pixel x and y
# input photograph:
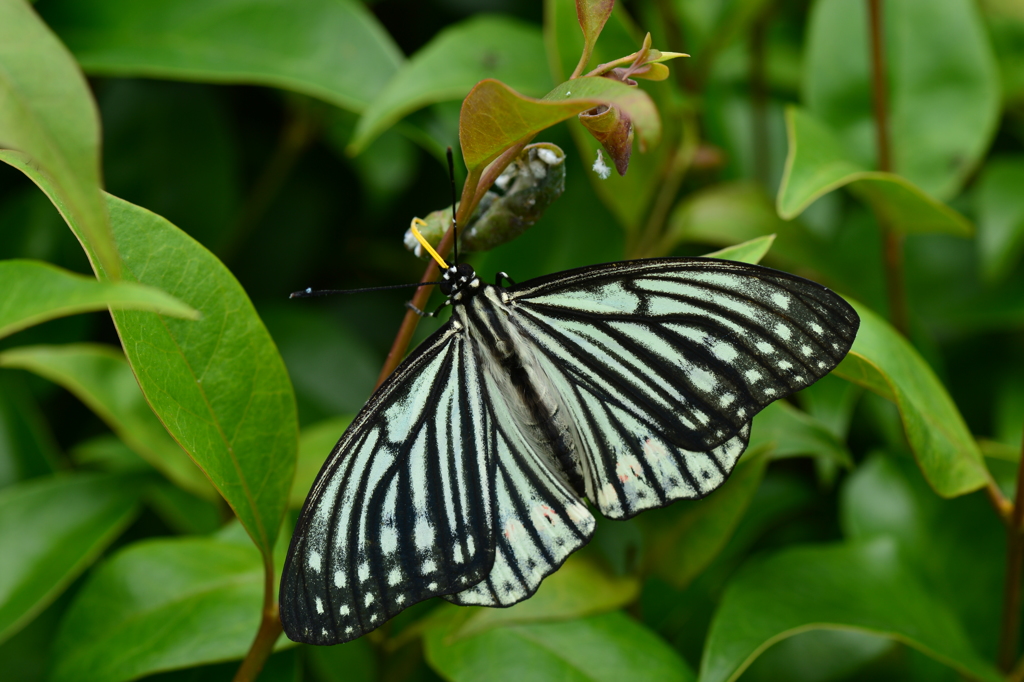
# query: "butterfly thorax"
{"type": "Point", "coordinates": [484, 312]}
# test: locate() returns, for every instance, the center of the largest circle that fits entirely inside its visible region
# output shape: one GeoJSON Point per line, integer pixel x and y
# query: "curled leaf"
{"type": "Point", "coordinates": [613, 129]}
{"type": "Point", "coordinates": [494, 117]}
{"type": "Point", "coordinates": [530, 184]}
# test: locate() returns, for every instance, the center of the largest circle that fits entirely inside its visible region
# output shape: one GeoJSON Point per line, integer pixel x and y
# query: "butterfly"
{"type": "Point", "coordinates": [626, 385]}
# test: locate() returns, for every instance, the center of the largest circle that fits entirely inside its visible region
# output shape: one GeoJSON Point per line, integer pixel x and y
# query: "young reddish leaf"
{"type": "Point", "coordinates": [593, 14]}
{"type": "Point", "coordinates": [495, 117]}
{"type": "Point", "coordinates": [615, 133]}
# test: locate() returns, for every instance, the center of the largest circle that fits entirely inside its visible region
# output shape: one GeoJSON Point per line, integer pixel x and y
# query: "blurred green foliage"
{"type": "Point", "coordinates": [256, 147]}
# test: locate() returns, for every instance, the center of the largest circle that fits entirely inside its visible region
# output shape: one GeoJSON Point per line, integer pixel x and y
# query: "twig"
{"type": "Point", "coordinates": [266, 636]}
{"type": "Point", "coordinates": [1010, 629]}
{"type": "Point", "coordinates": [893, 241]}
{"type": "Point", "coordinates": [472, 192]}
{"type": "Point", "coordinates": [759, 99]}
{"type": "Point", "coordinates": [296, 135]}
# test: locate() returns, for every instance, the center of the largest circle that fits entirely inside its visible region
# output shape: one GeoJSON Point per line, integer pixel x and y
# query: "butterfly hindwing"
{"type": "Point", "coordinates": [403, 508]}
{"type": "Point", "coordinates": [539, 520]}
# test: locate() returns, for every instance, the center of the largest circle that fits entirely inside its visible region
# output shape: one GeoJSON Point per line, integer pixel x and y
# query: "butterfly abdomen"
{"type": "Point", "coordinates": [523, 384]}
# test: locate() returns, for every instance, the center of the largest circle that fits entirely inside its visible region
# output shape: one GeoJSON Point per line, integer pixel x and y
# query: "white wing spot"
{"type": "Point", "coordinates": [432, 586]}
{"type": "Point", "coordinates": [400, 599]}
{"type": "Point", "coordinates": [769, 391]}
{"type": "Point", "coordinates": [781, 300]}
{"type": "Point", "coordinates": [343, 610]}
{"type": "Point", "coordinates": [806, 350]}
{"type": "Point", "coordinates": [395, 576]}
{"type": "Point", "coordinates": [724, 351]}
{"type": "Point", "coordinates": [753, 375]}
{"type": "Point", "coordinates": [364, 571]}
{"type": "Point", "coordinates": [373, 618]}
{"type": "Point", "coordinates": [319, 606]}
{"type": "Point", "coordinates": [424, 534]}
{"type": "Point", "coordinates": [727, 399]}
{"type": "Point", "coordinates": [368, 600]}
{"type": "Point", "coordinates": [348, 630]}
{"type": "Point", "coordinates": [822, 364]}
{"type": "Point", "coordinates": [323, 631]}
{"type": "Point", "coordinates": [388, 540]}
{"type": "Point", "coordinates": [765, 347]}
{"type": "Point", "coordinates": [457, 553]}
{"type": "Point", "coordinates": [428, 566]}
{"type": "Point", "coordinates": [786, 364]}
{"type": "Point", "coordinates": [314, 561]}
{"type": "Point", "coordinates": [783, 331]}
{"type": "Point", "coordinates": [816, 328]}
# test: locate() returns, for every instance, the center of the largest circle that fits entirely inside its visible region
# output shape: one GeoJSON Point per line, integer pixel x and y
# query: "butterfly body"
{"type": "Point", "coordinates": [629, 384]}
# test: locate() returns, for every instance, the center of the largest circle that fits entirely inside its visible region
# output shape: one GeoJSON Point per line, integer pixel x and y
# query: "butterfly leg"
{"type": "Point", "coordinates": [410, 306]}
{"type": "Point", "coordinates": [503, 276]}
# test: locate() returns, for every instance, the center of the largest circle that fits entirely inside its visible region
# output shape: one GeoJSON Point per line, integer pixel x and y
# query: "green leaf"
{"type": "Point", "coordinates": [100, 378]}
{"type": "Point", "coordinates": [334, 50]}
{"type": "Point", "coordinates": [751, 251]}
{"type": "Point", "coordinates": [884, 362]}
{"type": "Point", "coordinates": [789, 432]}
{"type": "Point", "coordinates": [315, 444]}
{"type": "Point", "coordinates": [1000, 209]}
{"type": "Point", "coordinates": [35, 292]}
{"type": "Point", "coordinates": [27, 447]}
{"type": "Point", "coordinates": [161, 605]}
{"type": "Point", "coordinates": [730, 212]}
{"type": "Point", "coordinates": [578, 589]}
{"type": "Point", "coordinates": [450, 65]}
{"type": "Point", "coordinates": [862, 587]}
{"type": "Point", "coordinates": [495, 117]}
{"type": "Point", "coordinates": [955, 546]}
{"type": "Point", "coordinates": [48, 120]}
{"type": "Point", "coordinates": [52, 529]}
{"type": "Point", "coordinates": [354, 662]}
{"type": "Point", "coordinates": [942, 78]}
{"type": "Point", "coordinates": [218, 384]}
{"type": "Point", "coordinates": [817, 165]}
{"type": "Point", "coordinates": [608, 647]}
{"type": "Point", "coordinates": [687, 536]}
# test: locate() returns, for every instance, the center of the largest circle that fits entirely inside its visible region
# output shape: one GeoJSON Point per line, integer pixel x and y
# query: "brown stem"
{"type": "Point", "coordinates": [266, 636]}
{"type": "Point", "coordinates": [893, 242]}
{"type": "Point", "coordinates": [1010, 629]}
{"type": "Point", "coordinates": [296, 135]}
{"type": "Point", "coordinates": [647, 242]}
{"type": "Point", "coordinates": [759, 99]}
{"type": "Point", "coordinates": [473, 191]}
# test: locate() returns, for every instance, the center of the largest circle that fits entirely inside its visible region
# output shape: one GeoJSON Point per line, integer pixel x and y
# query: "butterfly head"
{"type": "Point", "coordinates": [458, 279]}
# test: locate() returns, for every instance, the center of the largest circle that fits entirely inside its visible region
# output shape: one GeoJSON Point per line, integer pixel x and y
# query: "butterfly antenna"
{"type": "Point", "coordinates": [310, 292]}
{"type": "Point", "coordinates": [455, 225]}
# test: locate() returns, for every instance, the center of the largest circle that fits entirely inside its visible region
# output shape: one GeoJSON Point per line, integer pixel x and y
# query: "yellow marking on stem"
{"type": "Point", "coordinates": [424, 243]}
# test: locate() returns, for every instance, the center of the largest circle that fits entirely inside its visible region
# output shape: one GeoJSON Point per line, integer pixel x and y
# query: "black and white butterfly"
{"type": "Point", "coordinates": [628, 385]}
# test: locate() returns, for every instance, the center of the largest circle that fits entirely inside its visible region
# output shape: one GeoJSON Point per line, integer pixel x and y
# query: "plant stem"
{"type": "Point", "coordinates": [759, 99]}
{"type": "Point", "coordinates": [472, 192]}
{"type": "Point", "coordinates": [266, 636]}
{"type": "Point", "coordinates": [296, 135]}
{"type": "Point", "coordinates": [1010, 629]}
{"type": "Point", "coordinates": [648, 242]}
{"type": "Point", "coordinates": [893, 242]}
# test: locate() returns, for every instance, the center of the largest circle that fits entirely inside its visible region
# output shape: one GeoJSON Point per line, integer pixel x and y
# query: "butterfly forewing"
{"type": "Point", "coordinates": [402, 510]}
{"type": "Point", "coordinates": [663, 363]}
